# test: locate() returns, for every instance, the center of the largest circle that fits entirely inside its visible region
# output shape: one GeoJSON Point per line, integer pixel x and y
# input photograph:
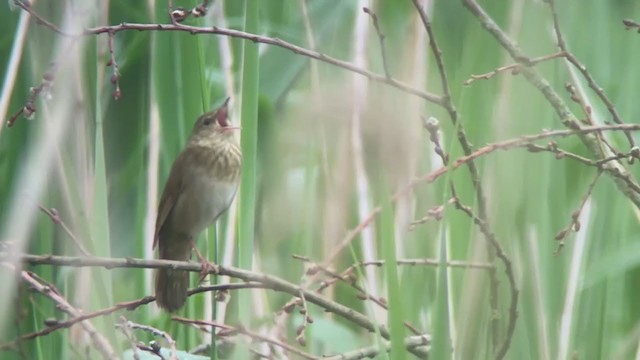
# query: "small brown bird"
{"type": "Point", "coordinates": [202, 183]}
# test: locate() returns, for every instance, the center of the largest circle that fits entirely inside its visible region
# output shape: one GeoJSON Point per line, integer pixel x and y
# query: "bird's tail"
{"type": "Point", "coordinates": [172, 284]}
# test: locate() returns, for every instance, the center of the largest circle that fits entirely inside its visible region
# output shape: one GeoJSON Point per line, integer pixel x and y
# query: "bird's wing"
{"type": "Point", "coordinates": [172, 190]}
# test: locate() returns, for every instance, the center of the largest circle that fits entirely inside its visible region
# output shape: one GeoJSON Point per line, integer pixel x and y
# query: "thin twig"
{"type": "Point", "coordinates": [381, 37]}
{"type": "Point", "coordinates": [42, 90]}
{"type": "Point", "coordinates": [56, 219]}
{"type": "Point", "coordinates": [269, 281]}
{"type": "Point", "coordinates": [522, 141]}
{"type": "Point", "coordinates": [29, 108]}
{"type": "Point", "coordinates": [99, 342]}
{"type": "Point", "coordinates": [618, 172]}
{"type": "Point", "coordinates": [246, 36]}
{"type": "Point", "coordinates": [552, 147]}
{"type": "Point", "coordinates": [514, 67]}
{"type": "Point", "coordinates": [575, 223]}
{"type": "Point", "coordinates": [306, 320]}
{"type": "Point", "coordinates": [433, 214]}
{"type": "Point", "coordinates": [373, 351]}
{"type": "Point", "coordinates": [473, 170]}
{"type": "Point", "coordinates": [155, 332]}
{"type": "Point", "coordinates": [583, 70]}
{"type": "Point", "coordinates": [588, 111]}
{"type": "Point", "coordinates": [349, 277]}
{"type": "Point", "coordinates": [132, 340]}
{"type": "Point", "coordinates": [508, 269]}
{"type": "Point", "coordinates": [115, 77]}
{"type": "Point", "coordinates": [253, 335]}
{"type": "Point", "coordinates": [128, 305]}
{"type": "Point", "coordinates": [434, 262]}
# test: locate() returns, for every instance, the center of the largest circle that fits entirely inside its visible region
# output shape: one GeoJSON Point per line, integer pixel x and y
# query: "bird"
{"type": "Point", "coordinates": [201, 185]}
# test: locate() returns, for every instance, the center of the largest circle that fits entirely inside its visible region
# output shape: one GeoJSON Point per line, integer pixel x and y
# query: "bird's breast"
{"type": "Point", "coordinates": [208, 187]}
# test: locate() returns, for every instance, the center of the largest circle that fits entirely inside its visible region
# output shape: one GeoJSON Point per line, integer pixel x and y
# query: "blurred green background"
{"type": "Point", "coordinates": [331, 146]}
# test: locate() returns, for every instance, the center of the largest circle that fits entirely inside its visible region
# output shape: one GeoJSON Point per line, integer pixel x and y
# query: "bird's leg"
{"type": "Point", "coordinates": [207, 266]}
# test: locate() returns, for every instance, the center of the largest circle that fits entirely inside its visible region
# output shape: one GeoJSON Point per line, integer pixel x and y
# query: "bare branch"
{"type": "Point", "coordinates": [56, 219]}
{"type": "Point", "coordinates": [508, 269]}
{"type": "Point", "coordinates": [373, 351]}
{"type": "Point", "coordinates": [268, 281]}
{"type": "Point", "coordinates": [575, 223]}
{"type": "Point", "coordinates": [99, 342]}
{"type": "Point", "coordinates": [194, 30]}
{"type": "Point", "coordinates": [583, 70]}
{"type": "Point", "coordinates": [620, 175]}
{"type": "Point", "coordinates": [381, 37]}
{"type": "Point", "coordinates": [155, 332]}
{"type": "Point", "coordinates": [115, 77]}
{"type": "Point", "coordinates": [513, 67]}
{"type": "Point", "coordinates": [228, 330]}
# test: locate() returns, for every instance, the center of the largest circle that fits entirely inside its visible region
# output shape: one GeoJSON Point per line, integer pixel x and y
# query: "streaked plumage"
{"type": "Point", "coordinates": [201, 185]}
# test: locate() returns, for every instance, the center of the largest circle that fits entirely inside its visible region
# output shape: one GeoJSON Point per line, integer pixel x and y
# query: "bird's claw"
{"type": "Point", "coordinates": [207, 266]}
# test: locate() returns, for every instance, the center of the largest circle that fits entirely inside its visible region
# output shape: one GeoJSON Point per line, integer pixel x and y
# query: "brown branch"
{"type": "Point", "coordinates": [26, 6]}
{"type": "Point", "coordinates": [575, 223]}
{"type": "Point", "coordinates": [618, 172]}
{"type": "Point", "coordinates": [56, 219]}
{"type": "Point", "coordinates": [553, 148]}
{"type": "Point", "coordinates": [373, 351]}
{"type": "Point", "coordinates": [130, 305]}
{"type": "Point", "coordinates": [381, 37]}
{"type": "Point", "coordinates": [99, 342]}
{"type": "Point", "coordinates": [508, 269]}
{"type": "Point", "coordinates": [583, 70]}
{"type": "Point", "coordinates": [522, 141]}
{"type": "Point", "coordinates": [115, 77]}
{"type": "Point", "coordinates": [433, 262]}
{"type": "Point", "coordinates": [194, 30]}
{"type": "Point", "coordinates": [268, 281]}
{"type": "Point", "coordinates": [467, 148]}
{"type": "Point", "coordinates": [350, 278]}
{"type": "Point", "coordinates": [126, 324]}
{"type": "Point", "coordinates": [433, 214]}
{"type": "Point", "coordinates": [29, 108]}
{"type": "Point", "coordinates": [515, 67]}
{"type": "Point", "coordinates": [306, 320]}
{"type": "Point", "coordinates": [586, 108]}
{"type": "Point", "coordinates": [132, 340]}
{"type": "Point", "coordinates": [231, 330]}
{"type": "Point", "coordinates": [127, 305]}
{"type": "Point", "coordinates": [43, 89]}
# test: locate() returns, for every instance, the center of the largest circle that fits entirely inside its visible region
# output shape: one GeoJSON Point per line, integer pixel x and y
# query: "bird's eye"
{"type": "Point", "coordinates": [206, 121]}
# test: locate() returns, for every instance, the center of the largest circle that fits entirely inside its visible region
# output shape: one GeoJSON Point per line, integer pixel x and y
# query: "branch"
{"type": "Point", "coordinates": [515, 67]}
{"type": "Point", "coordinates": [268, 281]}
{"type": "Point", "coordinates": [99, 342]}
{"type": "Point", "coordinates": [127, 324]}
{"type": "Point", "coordinates": [583, 70]}
{"type": "Point", "coordinates": [231, 330]}
{"type": "Point", "coordinates": [381, 37]}
{"type": "Point", "coordinates": [524, 141]}
{"type": "Point", "coordinates": [115, 77]}
{"type": "Point", "coordinates": [473, 170]}
{"type": "Point", "coordinates": [194, 30]}
{"type": "Point", "coordinates": [127, 305]}
{"type": "Point", "coordinates": [56, 219]}
{"type": "Point", "coordinates": [620, 175]}
{"type": "Point", "coordinates": [575, 223]}
{"type": "Point", "coordinates": [373, 351]}
{"type": "Point", "coordinates": [508, 269]}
